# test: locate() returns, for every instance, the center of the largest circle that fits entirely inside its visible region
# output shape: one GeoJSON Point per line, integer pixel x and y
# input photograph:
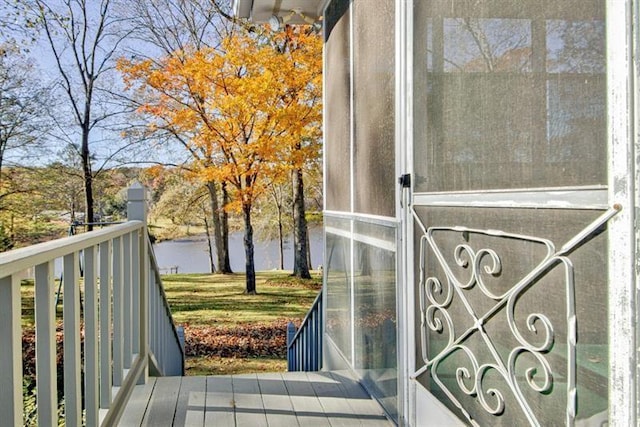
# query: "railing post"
{"type": "Point", "coordinates": [136, 267]}
{"type": "Point", "coordinates": [71, 345]}
{"type": "Point", "coordinates": [137, 210]}
{"type": "Point", "coordinates": [118, 313]}
{"type": "Point", "coordinates": [45, 314]}
{"type": "Point", "coordinates": [137, 203]}
{"type": "Point", "coordinates": [91, 337]}
{"type": "Point", "coordinates": [10, 351]}
{"type": "Point", "coordinates": [127, 297]}
{"type": "Point", "coordinates": [106, 316]}
{"type": "Point", "coordinates": [291, 333]}
{"type": "Point", "coordinates": [180, 332]}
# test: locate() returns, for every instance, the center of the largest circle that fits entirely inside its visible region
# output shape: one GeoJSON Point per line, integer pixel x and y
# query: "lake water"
{"type": "Point", "coordinates": [191, 255]}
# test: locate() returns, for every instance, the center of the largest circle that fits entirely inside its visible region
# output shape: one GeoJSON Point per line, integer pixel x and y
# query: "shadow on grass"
{"type": "Point", "coordinates": [209, 299]}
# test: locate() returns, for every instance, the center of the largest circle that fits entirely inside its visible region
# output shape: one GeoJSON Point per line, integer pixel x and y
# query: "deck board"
{"type": "Point", "coordinates": [271, 400]}
{"type": "Point", "coordinates": [163, 402]}
{"type": "Point", "coordinates": [135, 410]}
{"type": "Point", "coordinates": [190, 408]}
{"type": "Point", "coordinates": [249, 408]}
{"type": "Point", "coordinates": [333, 400]}
{"type": "Point", "coordinates": [370, 413]}
{"type": "Point", "coordinates": [219, 402]}
{"type": "Point", "coordinates": [276, 400]}
{"type": "Point", "coordinates": [306, 404]}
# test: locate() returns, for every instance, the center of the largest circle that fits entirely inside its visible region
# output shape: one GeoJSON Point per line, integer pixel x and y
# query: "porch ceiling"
{"type": "Point", "coordinates": [260, 11]}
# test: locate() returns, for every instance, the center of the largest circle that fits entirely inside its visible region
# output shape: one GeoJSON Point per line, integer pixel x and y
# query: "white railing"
{"type": "Point", "coordinates": [304, 346]}
{"type": "Point", "coordinates": [165, 340]}
{"type": "Point", "coordinates": [127, 322]}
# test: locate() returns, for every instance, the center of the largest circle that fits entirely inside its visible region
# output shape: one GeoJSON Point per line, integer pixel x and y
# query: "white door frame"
{"type": "Point", "coordinates": [623, 109]}
{"type": "Point", "coordinates": [622, 78]}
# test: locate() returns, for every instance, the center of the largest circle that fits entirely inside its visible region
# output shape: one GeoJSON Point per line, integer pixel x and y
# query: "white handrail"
{"type": "Point", "coordinates": [19, 260]}
{"type": "Point", "coordinates": [127, 322]}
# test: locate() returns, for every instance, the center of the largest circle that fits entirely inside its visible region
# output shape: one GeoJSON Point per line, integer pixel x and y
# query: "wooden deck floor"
{"type": "Point", "coordinates": [278, 399]}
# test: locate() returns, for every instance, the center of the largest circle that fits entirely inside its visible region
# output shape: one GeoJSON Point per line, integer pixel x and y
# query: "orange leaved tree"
{"type": "Point", "coordinates": [249, 113]}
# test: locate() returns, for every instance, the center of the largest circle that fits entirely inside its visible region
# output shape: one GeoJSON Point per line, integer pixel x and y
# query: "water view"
{"type": "Point", "coordinates": [190, 255]}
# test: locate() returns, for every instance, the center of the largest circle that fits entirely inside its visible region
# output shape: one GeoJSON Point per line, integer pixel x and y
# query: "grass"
{"type": "Point", "coordinates": [202, 301]}
{"type": "Point", "coordinates": [198, 299]}
{"type": "Point", "coordinates": [215, 365]}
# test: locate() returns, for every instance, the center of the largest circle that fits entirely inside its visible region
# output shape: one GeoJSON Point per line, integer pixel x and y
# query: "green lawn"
{"type": "Point", "coordinates": [220, 299]}
{"type": "Point", "coordinates": [230, 332]}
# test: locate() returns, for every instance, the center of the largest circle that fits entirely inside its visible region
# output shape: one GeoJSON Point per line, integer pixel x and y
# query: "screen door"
{"type": "Point", "coordinates": [509, 209]}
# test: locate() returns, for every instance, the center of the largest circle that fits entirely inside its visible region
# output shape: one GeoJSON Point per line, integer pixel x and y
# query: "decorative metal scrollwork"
{"type": "Point", "coordinates": [438, 292]}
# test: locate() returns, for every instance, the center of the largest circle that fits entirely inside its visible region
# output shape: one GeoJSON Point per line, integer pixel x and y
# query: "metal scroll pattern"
{"type": "Point", "coordinates": [482, 265]}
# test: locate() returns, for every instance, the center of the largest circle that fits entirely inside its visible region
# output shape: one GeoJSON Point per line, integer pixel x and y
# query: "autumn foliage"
{"type": "Point", "coordinates": [248, 111]}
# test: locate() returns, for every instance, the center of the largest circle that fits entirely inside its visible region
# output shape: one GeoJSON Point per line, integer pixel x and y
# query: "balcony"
{"type": "Point", "coordinates": [130, 370]}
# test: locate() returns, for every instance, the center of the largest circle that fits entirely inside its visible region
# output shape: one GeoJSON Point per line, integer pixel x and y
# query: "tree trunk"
{"type": "Point", "coordinates": [212, 265]}
{"type": "Point", "coordinates": [280, 233]}
{"type": "Point", "coordinates": [281, 242]}
{"type": "Point", "coordinates": [224, 219]}
{"type": "Point", "coordinates": [277, 200]}
{"type": "Point", "coordinates": [218, 237]}
{"type": "Point", "coordinates": [309, 265]}
{"type": "Point", "coordinates": [300, 265]}
{"type": "Point", "coordinates": [87, 174]}
{"type": "Point", "coordinates": [249, 252]}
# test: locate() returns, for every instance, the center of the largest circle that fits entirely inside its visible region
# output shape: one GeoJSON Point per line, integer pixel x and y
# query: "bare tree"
{"type": "Point", "coordinates": [171, 26]}
{"type": "Point", "coordinates": [22, 112]}
{"type": "Point", "coordinates": [280, 198]}
{"type": "Point", "coordinates": [84, 39]}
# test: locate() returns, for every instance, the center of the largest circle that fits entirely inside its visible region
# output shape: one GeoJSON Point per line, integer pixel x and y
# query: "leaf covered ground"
{"type": "Point", "coordinates": [227, 331]}
{"type": "Point", "coordinates": [242, 341]}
